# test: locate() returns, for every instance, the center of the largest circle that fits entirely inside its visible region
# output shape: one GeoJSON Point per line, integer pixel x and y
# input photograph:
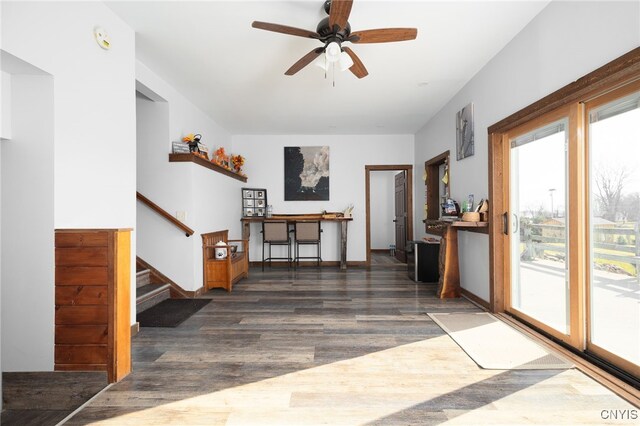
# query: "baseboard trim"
{"type": "Point", "coordinates": [306, 264]}
{"type": "Point", "coordinates": [176, 291]}
{"type": "Point", "coordinates": [384, 251]}
{"type": "Point", "coordinates": [135, 329]}
{"type": "Point", "coordinates": [475, 299]}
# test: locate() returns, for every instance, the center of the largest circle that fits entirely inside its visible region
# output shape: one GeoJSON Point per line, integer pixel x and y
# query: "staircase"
{"type": "Point", "coordinates": [149, 290]}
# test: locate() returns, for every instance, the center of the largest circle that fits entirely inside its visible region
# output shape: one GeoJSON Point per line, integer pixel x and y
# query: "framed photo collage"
{"type": "Point", "coordinates": [254, 202]}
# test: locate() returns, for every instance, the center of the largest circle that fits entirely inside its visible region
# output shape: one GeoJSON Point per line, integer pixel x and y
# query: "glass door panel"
{"type": "Point", "coordinates": [614, 246]}
{"type": "Point", "coordinates": [538, 224]}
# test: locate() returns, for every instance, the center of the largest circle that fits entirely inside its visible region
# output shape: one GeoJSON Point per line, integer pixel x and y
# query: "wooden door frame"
{"type": "Point", "coordinates": [616, 73]}
{"type": "Point", "coordinates": [408, 168]}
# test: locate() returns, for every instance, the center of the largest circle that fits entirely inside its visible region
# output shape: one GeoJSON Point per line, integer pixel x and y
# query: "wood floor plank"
{"type": "Point", "coordinates": [324, 346]}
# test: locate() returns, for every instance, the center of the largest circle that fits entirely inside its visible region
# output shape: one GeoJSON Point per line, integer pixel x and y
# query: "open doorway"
{"type": "Point", "coordinates": [389, 188]}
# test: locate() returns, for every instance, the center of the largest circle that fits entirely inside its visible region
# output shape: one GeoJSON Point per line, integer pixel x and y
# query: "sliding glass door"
{"type": "Point", "coordinates": [538, 221]}
{"type": "Point", "coordinates": [572, 227]}
{"type": "Point", "coordinates": [613, 140]}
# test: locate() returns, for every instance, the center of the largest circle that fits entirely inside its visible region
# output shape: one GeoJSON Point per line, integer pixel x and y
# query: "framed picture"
{"type": "Point", "coordinates": [254, 202]}
{"type": "Point", "coordinates": [179, 148]}
{"type": "Point", "coordinates": [306, 173]}
{"type": "Point", "coordinates": [464, 132]}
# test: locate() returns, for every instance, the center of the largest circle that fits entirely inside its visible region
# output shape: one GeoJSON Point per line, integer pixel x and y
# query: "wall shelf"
{"type": "Point", "coordinates": [438, 227]}
{"type": "Point", "coordinates": [480, 227]}
{"type": "Point", "coordinates": [186, 158]}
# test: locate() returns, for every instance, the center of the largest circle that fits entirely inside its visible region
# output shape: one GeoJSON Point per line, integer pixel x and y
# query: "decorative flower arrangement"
{"type": "Point", "coordinates": [221, 158]}
{"type": "Point", "coordinates": [192, 140]}
{"type": "Point", "coordinates": [238, 162]}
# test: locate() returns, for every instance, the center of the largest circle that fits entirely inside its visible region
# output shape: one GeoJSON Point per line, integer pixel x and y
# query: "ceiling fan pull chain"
{"type": "Point", "coordinates": [333, 72]}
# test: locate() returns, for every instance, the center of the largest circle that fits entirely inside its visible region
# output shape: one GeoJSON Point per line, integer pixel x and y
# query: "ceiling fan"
{"type": "Point", "coordinates": [333, 31]}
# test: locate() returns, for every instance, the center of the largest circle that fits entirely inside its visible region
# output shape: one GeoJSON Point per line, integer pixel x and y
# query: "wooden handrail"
{"type": "Point", "coordinates": [153, 206]}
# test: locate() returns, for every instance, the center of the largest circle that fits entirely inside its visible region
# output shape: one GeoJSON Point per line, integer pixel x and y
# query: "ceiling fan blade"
{"type": "Point", "coordinates": [383, 35]}
{"type": "Point", "coordinates": [277, 28]}
{"type": "Point", "coordinates": [357, 68]}
{"type": "Point", "coordinates": [304, 61]}
{"type": "Point", "coordinates": [339, 13]}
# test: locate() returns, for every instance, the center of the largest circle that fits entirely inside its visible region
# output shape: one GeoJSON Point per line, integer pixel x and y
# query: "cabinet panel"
{"type": "Point", "coordinates": [82, 315]}
{"type": "Point", "coordinates": [85, 354]}
{"type": "Point", "coordinates": [81, 295]}
{"type": "Point", "coordinates": [89, 256]}
{"type": "Point", "coordinates": [82, 334]}
{"type": "Point", "coordinates": [86, 239]}
{"type": "Point", "coordinates": [92, 314]}
{"type": "Point", "coordinates": [84, 275]}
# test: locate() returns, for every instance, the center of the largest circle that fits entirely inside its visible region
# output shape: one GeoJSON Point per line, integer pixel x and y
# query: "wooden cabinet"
{"type": "Point", "coordinates": [226, 271]}
{"type": "Point", "coordinates": [93, 301]}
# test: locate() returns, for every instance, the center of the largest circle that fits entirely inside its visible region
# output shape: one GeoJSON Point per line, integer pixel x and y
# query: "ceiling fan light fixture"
{"type": "Point", "coordinates": [345, 61]}
{"type": "Point", "coordinates": [321, 62]}
{"type": "Point", "coordinates": [332, 52]}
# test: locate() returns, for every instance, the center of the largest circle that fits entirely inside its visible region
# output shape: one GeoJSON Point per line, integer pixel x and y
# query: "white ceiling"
{"type": "Point", "coordinates": [209, 52]}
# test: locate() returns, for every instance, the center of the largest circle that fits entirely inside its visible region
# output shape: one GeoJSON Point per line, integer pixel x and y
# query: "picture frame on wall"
{"type": "Point", "coordinates": [306, 173]}
{"type": "Point", "coordinates": [465, 133]}
{"type": "Point", "coordinates": [254, 202]}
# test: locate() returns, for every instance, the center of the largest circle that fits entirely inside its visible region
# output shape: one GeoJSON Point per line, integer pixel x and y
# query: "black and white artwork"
{"type": "Point", "coordinates": [306, 173]}
{"type": "Point", "coordinates": [464, 132]}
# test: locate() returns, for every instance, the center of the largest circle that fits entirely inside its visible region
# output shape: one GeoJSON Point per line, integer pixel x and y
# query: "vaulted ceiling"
{"type": "Point", "coordinates": [209, 52]}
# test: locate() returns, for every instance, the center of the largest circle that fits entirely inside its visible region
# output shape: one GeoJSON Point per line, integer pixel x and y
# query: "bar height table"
{"type": "Point", "coordinates": [344, 221]}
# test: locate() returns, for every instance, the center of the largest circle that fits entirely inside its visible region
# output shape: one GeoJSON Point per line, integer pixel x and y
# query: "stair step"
{"type": "Point", "coordinates": [150, 295]}
{"type": "Point", "coordinates": [143, 278]}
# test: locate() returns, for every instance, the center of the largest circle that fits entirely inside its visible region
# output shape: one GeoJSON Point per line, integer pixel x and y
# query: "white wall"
{"type": "Point", "coordinates": [27, 228]}
{"type": "Point", "coordinates": [382, 199]}
{"type": "Point", "coordinates": [211, 200]}
{"type": "Point", "coordinates": [564, 42]}
{"type": "Point", "coordinates": [93, 131]}
{"type": "Point", "coordinates": [348, 156]}
{"type": "Point", "coordinates": [5, 105]}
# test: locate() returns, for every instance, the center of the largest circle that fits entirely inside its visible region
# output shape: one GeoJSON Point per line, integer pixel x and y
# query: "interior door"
{"type": "Point", "coordinates": [400, 219]}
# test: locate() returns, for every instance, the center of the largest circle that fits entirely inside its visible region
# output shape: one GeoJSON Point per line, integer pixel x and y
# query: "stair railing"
{"type": "Point", "coordinates": [153, 206]}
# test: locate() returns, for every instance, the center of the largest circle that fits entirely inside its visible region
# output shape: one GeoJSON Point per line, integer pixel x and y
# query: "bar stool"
{"type": "Point", "coordinates": [276, 232]}
{"type": "Point", "coordinates": [307, 233]}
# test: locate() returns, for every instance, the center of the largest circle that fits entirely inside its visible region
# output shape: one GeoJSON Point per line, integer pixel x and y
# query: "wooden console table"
{"type": "Point", "coordinates": [449, 282]}
{"type": "Point", "coordinates": [291, 218]}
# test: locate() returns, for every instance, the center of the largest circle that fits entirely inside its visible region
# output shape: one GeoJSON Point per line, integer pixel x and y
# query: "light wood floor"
{"type": "Point", "coordinates": [329, 347]}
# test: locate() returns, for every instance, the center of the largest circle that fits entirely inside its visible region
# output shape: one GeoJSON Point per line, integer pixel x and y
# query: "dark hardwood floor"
{"type": "Point", "coordinates": [384, 258]}
{"type": "Point", "coordinates": [323, 346]}
{"type": "Point", "coordinates": [46, 398]}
